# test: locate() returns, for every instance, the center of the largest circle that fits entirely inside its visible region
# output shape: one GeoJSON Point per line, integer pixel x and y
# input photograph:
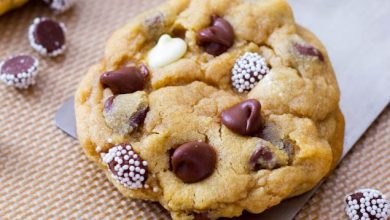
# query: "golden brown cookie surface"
{"type": "Point", "coordinates": [6, 5]}
{"type": "Point", "coordinates": [281, 148]}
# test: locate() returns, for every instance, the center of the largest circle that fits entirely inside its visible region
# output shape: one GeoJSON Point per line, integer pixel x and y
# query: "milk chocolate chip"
{"type": "Point", "coordinates": [138, 117]}
{"type": "Point", "coordinates": [288, 146]}
{"type": "Point", "coordinates": [193, 161]}
{"type": "Point", "coordinates": [124, 80]}
{"type": "Point", "coordinates": [262, 158]}
{"type": "Point", "coordinates": [309, 50]}
{"type": "Point", "coordinates": [243, 118]}
{"type": "Point", "coordinates": [108, 103]}
{"type": "Point", "coordinates": [217, 38]}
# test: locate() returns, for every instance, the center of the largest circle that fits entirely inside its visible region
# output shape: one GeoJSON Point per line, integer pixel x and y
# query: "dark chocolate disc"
{"type": "Point", "coordinates": [19, 71]}
{"type": "Point", "coordinates": [47, 36]}
{"type": "Point", "coordinates": [18, 64]}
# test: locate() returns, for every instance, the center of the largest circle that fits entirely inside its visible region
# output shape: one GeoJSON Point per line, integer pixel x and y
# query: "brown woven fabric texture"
{"type": "Point", "coordinates": [45, 175]}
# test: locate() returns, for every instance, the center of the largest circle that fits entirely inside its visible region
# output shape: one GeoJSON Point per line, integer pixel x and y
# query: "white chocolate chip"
{"type": "Point", "coordinates": [166, 51]}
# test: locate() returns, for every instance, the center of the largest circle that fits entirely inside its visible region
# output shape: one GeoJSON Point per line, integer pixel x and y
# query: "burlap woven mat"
{"type": "Point", "coordinates": [45, 175]}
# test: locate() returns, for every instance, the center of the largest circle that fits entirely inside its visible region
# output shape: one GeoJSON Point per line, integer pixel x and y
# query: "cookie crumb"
{"type": "Point", "coordinates": [248, 70]}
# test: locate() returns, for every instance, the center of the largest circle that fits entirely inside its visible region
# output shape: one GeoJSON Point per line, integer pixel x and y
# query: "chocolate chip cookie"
{"type": "Point", "coordinates": [212, 107]}
{"type": "Point", "coordinates": [6, 5]}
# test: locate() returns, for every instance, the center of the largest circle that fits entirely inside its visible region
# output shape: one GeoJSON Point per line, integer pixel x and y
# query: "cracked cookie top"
{"type": "Point", "coordinates": [226, 105]}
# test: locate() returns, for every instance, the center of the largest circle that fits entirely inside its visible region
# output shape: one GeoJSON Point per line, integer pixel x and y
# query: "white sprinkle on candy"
{"type": "Point", "coordinates": [362, 205]}
{"type": "Point", "coordinates": [129, 172]}
{"type": "Point", "coordinates": [247, 71]}
{"type": "Point", "coordinates": [20, 80]}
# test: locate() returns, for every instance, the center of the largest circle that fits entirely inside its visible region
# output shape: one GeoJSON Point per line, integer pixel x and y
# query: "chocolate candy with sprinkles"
{"type": "Point", "coordinates": [367, 204]}
{"type": "Point", "coordinates": [126, 166]}
{"type": "Point", "coordinates": [248, 70]}
{"type": "Point", "coordinates": [60, 6]}
{"type": "Point", "coordinates": [193, 161]}
{"type": "Point", "coordinates": [47, 36]}
{"type": "Point", "coordinates": [19, 71]}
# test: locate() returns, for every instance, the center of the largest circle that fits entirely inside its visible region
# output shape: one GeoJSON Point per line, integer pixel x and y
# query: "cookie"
{"type": "Point", "coordinates": [6, 5]}
{"type": "Point", "coordinates": [231, 104]}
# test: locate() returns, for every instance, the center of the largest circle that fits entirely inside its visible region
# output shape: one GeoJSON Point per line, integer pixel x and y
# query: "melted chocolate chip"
{"type": "Point", "coordinates": [124, 80]}
{"type": "Point", "coordinates": [308, 50]}
{"type": "Point", "coordinates": [262, 158]}
{"type": "Point", "coordinates": [193, 161]}
{"type": "Point", "coordinates": [49, 34]}
{"type": "Point", "coordinates": [138, 117]}
{"type": "Point", "coordinates": [288, 147]}
{"type": "Point", "coordinates": [108, 103]}
{"type": "Point", "coordinates": [144, 70]}
{"type": "Point", "coordinates": [217, 38]}
{"type": "Point", "coordinates": [125, 113]}
{"type": "Point", "coordinates": [201, 216]}
{"type": "Point", "coordinates": [243, 118]}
